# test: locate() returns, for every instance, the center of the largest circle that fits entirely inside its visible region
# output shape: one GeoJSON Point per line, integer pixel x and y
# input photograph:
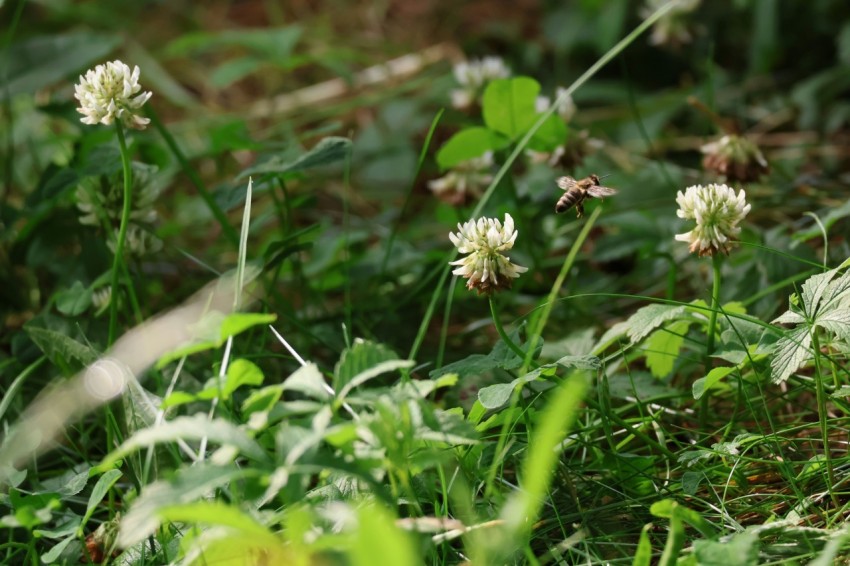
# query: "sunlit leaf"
{"type": "Point", "coordinates": [509, 105]}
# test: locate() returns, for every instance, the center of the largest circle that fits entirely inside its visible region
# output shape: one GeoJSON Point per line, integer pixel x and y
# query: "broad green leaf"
{"type": "Point", "coordinates": [234, 69]}
{"type": "Point", "coordinates": [362, 355]}
{"type": "Point", "coordinates": [55, 344]}
{"type": "Point", "coordinates": [39, 62]}
{"type": "Point", "coordinates": [611, 335]}
{"type": "Point", "coordinates": [509, 105]}
{"type": "Point", "coordinates": [52, 555]}
{"type": "Point", "coordinates": [741, 549]}
{"type": "Point", "coordinates": [101, 488]}
{"type": "Point", "coordinates": [379, 542]}
{"type": "Point", "coordinates": [188, 484]}
{"type": "Point", "coordinates": [662, 347]}
{"type": "Point", "coordinates": [495, 396]}
{"type": "Point", "coordinates": [836, 321]}
{"type": "Point", "coordinates": [791, 351]}
{"type": "Point", "coordinates": [237, 323]}
{"type": "Point", "coordinates": [242, 372]}
{"type": "Point", "coordinates": [188, 428]}
{"type": "Point", "coordinates": [836, 291]}
{"type": "Point", "coordinates": [329, 150]}
{"type": "Point", "coordinates": [650, 317]}
{"type": "Point", "coordinates": [709, 381]}
{"type": "Point", "coordinates": [814, 288]}
{"type": "Point", "coordinates": [551, 134]}
{"type": "Point", "coordinates": [262, 399]}
{"type": "Point", "coordinates": [75, 300]}
{"type": "Point", "coordinates": [217, 513]}
{"type": "Point", "coordinates": [469, 143]}
{"type": "Point", "coordinates": [691, 481]}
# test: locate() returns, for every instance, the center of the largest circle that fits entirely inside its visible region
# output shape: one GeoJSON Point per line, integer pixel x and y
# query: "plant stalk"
{"type": "Point", "coordinates": [712, 328]}
{"type": "Point", "coordinates": [824, 431]}
{"type": "Point", "coordinates": [122, 233]}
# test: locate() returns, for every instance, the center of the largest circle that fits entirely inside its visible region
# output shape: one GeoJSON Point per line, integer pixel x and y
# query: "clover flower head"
{"type": "Point", "coordinates": [109, 92]}
{"type": "Point", "coordinates": [735, 157]}
{"type": "Point", "coordinates": [486, 268]}
{"type": "Point", "coordinates": [717, 211]}
{"type": "Point", "coordinates": [473, 76]}
{"type": "Point", "coordinates": [466, 179]}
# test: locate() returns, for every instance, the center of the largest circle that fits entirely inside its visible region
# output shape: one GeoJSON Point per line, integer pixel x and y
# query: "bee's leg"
{"type": "Point", "coordinates": [579, 210]}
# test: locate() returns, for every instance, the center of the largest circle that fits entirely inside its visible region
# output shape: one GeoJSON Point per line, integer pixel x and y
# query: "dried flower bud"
{"type": "Point", "coordinates": [734, 157]}
{"type": "Point", "coordinates": [467, 179]}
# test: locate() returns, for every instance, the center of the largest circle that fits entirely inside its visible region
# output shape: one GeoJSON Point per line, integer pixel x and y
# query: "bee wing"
{"type": "Point", "coordinates": [567, 183]}
{"type": "Point", "coordinates": [600, 191]}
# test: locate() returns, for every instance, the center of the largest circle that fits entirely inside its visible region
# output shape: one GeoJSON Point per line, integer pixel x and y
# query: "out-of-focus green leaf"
{"type": "Point", "coordinates": [329, 150]}
{"type": "Point", "coordinates": [509, 105]}
{"type": "Point", "coordinates": [39, 62]}
{"type": "Point", "coordinates": [469, 143]}
{"type": "Point", "coordinates": [75, 300]}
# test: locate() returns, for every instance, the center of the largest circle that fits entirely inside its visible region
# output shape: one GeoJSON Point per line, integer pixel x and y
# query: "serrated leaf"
{"type": "Point", "coordinates": [662, 347]}
{"type": "Point", "coordinates": [509, 105]}
{"type": "Point", "coordinates": [836, 321]}
{"type": "Point", "coordinates": [54, 344]}
{"type": "Point", "coordinates": [615, 332]}
{"type": "Point", "coordinates": [790, 353]}
{"type": "Point", "coordinates": [650, 317]}
{"type": "Point", "coordinates": [814, 288]}
{"type": "Point", "coordinates": [371, 373]}
{"type": "Point", "coordinates": [329, 150]}
{"type": "Point", "coordinates": [578, 362]}
{"type": "Point", "coordinates": [789, 317]}
{"type": "Point", "coordinates": [469, 143]}
{"type": "Point", "coordinates": [706, 383]}
{"type": "Point", "coordinates": [361, 356]}
{"type": "Point", "coordinates": [195, 427]}
{"type": "Point", "coordinates": [836, 292]}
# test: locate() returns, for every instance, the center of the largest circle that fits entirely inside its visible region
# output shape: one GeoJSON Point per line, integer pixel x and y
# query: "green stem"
{"type": "Point", "coordinates": [712, 327]}
{"type": "Point", "coordinates": [824, 431]}
{"type": "Point", "coordinates": [502, 334]}
{"type": "Point", "coordinates": [227, 228]}
{"type": "Point", "coordinates": [675, 541]}
{"type": "Point", "coordinates": [122, 233]}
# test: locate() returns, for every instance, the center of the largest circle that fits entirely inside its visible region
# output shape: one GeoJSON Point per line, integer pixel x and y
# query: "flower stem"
{"type": "Point", "coordinates": [122, 233]}
{"type": "Point", "coordinates": [712, 327]}
{"type": "Point", "coordinates": [502, 334]}
{"type": "Point", "coordinates": [824, 431]}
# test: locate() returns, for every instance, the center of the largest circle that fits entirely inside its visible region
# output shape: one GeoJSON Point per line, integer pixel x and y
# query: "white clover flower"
{"type": "Point", "coordinates": [473, 76]}
{"type": "Point", "coordinates": [735, 157]}
{"type": "Point", "coordinates": [110, 91]}
{"type": "Point", "coordinates": [466, 179]}
{"type": "Point", "coordinates": [717, 211]}
{"type": "Point", "coordinates": [486, 268]}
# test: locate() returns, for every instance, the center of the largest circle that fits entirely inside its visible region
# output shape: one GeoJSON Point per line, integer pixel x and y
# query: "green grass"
{"type": "Point", "coordinates": [306, 382]}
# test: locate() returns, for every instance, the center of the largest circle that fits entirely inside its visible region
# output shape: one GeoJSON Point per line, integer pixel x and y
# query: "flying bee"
{"type": "Point", "coordinates": [578, 190]}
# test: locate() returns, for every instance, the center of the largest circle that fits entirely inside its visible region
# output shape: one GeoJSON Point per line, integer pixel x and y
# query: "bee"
{"type": "Point", "coordinates": [578, 190]}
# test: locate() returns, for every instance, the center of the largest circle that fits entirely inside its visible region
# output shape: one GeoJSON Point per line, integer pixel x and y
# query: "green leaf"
{"type": "Point", "coordinates": [188, 484]}
{"type": "Point", "coordinates": [836, 321]}
{"type": "Point", "coordinates": [101, 488]}
{"type": "Point", "coordinates": [741, 549]}
{"type": "Point", "coordinates": [308, 380]}
{"type": "Point", "coordinates": [643, 554]}
{"type": "Point", "coordinates": [237, 323]}
{"type": "Point", "coordinates": [371, 373]}
{"type": "Point", "coordinates": [38, 62]}
{"type": "Point", "coordinates": [55, 344]}
{"type": "Point", "coordinates": [562, 407]}
{"type": "Point", "coordinates": [662, 347]}
{"type": "Point", "coordinates": [242, 372]}
{"type": "Point", "coordinates": [469, 143]}
{"type": "Point", "coordinates": [361, 356]}
{"type": "Point", "coordinates": [650, 317]}
{"type": "Point", "coordinates": [379, 542]}
{"type": "Point", "coordinates": [691, 481]}
{"type": "Point", "coordinates": [791, 351]}
{"type": "Point", "coordinates": [234, 69]}
{"type": "Point", "coordinates": [75, 300]}
{"type": "Point", "coordinates": [551, 134]}
{"type": "Point", "coordinates": [495, 396]}
{"type": "Point", "coordinates": [52, 555]}
{"type": "Point", "coordinates": [329, 150]}
{"type": "Point", "coordinates": [508, 106]}
{"type": "Point", "coordinates": [217, 513]}
{"type": "Point", "coordinates": [704, 384]}
{"type": "Point", "coordinates": [274, 43]}
{"type": "Point", "coordinates": [188, 428]}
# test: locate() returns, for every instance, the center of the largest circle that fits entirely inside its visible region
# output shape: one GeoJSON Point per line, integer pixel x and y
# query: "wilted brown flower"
{"type": "Point", "coordinates": [735, 157]}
